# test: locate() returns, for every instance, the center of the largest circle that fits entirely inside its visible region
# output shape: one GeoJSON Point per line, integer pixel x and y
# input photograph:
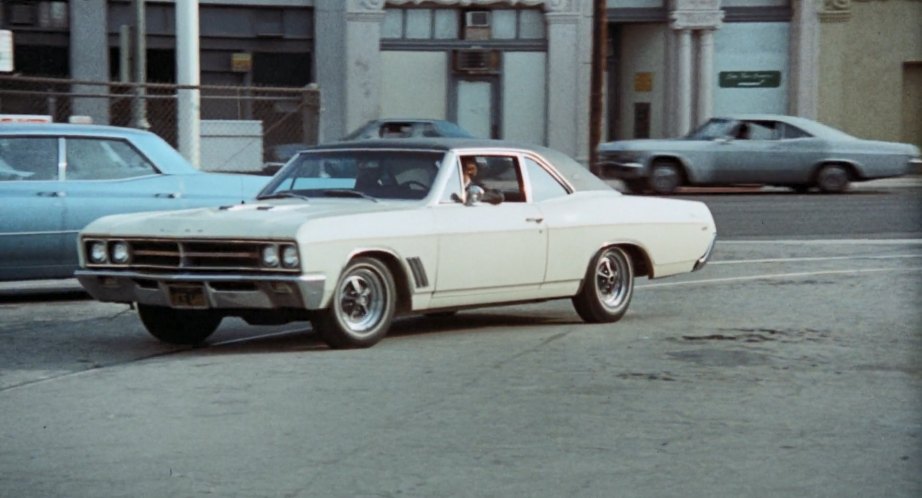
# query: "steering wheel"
{"type": "Point", "coordinates": [409, 184]}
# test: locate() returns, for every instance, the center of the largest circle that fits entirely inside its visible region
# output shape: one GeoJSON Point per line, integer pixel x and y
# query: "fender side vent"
{"type": "Point", "coordinates": [419, 272]}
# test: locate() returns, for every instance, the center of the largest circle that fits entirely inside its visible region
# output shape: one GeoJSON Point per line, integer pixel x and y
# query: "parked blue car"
{"type": "Point", "coordinates": [57, 178]}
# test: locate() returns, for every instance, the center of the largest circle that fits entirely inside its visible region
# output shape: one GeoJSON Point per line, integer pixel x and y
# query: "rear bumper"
{"type": "Point", "coordinates": [707, 254]}
{"type": "Point", "coordinates": [225, 291]}
{"type": "Point", "coordinates": [915, 166]}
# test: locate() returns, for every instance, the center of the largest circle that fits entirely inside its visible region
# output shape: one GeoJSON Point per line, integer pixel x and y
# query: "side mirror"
{"type": "Point", "coordinates": [474, 195]}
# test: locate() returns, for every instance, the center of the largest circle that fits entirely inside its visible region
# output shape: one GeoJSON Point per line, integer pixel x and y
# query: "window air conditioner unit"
{"type": "Point", "coordinates": [477, 19]}
{"type": "Point", "coordinates": [476, 61]}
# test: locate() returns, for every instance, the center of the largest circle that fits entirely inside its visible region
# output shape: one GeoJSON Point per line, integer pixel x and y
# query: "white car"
{"type": "Point", "coordinates": [351, 235]}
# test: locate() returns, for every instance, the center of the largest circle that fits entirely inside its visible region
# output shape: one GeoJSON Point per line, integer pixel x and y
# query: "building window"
{"type": "Point", "coordinates": [418, 24]}
{"type": "Point", "coordinates": [454, 25]}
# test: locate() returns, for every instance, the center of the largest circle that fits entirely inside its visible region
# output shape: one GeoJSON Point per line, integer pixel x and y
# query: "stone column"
{"type": "Point", "coordinates": [705, 103]}
{"type": "Point", "coordinates": [347, 62]}
{"type": "Point", "coordinates": [564, 83]}
{"type": "Point", "coordinates": [688, 16]}
{"type": "Point", "coordinates": [684, 82]}
{"type": "Point", "coordinates": [89, 58]}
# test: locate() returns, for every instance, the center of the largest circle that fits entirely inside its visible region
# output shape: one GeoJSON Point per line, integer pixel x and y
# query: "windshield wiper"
{"type": "Point", "coordinates": [344, 192]}
{"type": "Point", "coordinates": [285, 194]}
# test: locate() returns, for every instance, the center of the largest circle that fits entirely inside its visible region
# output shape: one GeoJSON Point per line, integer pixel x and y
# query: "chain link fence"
{"type": "Point", "coordinates": [279, 120]}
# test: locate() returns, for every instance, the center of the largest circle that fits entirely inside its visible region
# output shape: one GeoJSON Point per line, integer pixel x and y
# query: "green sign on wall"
{"type": "Point", "coordinates": [749, 79]}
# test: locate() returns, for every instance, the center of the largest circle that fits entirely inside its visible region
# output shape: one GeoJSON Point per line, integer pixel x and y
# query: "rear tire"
{"type": "Point", "coordinates": [363, 306]}
{"type": "Point", "coordinates": [607, 288]}
{"type": "Point", "coordinates": [178, 326]}
{"type": "Point", "coordinates": [832, 179]}
{"type": "Point", "coordinates": [665, 177]}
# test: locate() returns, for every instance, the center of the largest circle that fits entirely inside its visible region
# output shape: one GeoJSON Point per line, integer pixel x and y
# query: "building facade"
{"type": "Point", "coordinates": [520, 69]}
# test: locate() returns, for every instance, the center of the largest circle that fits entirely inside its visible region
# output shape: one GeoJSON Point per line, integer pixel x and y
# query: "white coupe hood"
{"type": "Point", "coordinates": [252, 220]}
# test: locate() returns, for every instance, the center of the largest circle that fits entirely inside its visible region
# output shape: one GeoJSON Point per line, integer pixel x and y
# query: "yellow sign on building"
{"type": "Point", "coordinates": [241, 62]}
{"type": "Point", "coordinates": [643, 82]}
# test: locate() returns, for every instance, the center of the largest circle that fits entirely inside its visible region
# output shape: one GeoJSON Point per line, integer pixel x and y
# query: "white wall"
{"type": "Point", "coordinates": [524, 96]}
{"type": "Point", "coordinates": [413, 84]}
{"type": "Point", "coordinates": [751, 47]}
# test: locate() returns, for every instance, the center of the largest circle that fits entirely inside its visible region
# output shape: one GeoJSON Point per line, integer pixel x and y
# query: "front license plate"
{"type": "Point", "coordinates": [188, 296]}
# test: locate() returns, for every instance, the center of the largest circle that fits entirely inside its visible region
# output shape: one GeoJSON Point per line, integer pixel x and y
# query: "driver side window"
{"type": "Point", "coordinates": [500, 174]}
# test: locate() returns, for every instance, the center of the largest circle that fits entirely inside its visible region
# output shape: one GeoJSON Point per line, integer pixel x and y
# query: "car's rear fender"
{"type": "Point", "coordinates": [639, 257]}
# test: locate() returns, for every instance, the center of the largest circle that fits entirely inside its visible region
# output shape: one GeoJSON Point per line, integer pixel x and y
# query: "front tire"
{"type": "Point", "coordinates": [363, 306]}
{"type": "Point", "coordinates": [174, 326]}
{"type": "Point", "coordinates": [608, 287]}
{"type": "Point", "coordinates": [832, 179]}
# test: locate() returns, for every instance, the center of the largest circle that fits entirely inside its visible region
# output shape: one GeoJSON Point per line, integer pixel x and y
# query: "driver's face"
{"type": "Point", "coordinates": [470, 169]}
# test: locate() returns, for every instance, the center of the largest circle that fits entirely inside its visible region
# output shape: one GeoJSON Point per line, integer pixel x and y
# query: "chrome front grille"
{"type": "Point", "coordinates": [192, 255]}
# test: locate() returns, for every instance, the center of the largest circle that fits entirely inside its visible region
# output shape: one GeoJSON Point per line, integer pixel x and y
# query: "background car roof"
{"type": "Point", "coordinates": [578, 175]}
{"type": "Point", "coordinates": [815, 128]}
{"type": "Point", "coordinates": [68, 129]}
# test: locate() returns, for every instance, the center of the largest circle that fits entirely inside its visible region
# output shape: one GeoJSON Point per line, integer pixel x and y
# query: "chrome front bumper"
{"type": "Point", "coordinates": [220, 291]}
{"type": "Point", "coordinates": [625, 170]}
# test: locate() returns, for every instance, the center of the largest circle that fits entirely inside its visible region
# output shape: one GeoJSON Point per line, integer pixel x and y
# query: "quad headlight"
{"type": "Point", "coordinates": [104, 252]}
{"type": "Point", "coordinates": [98, 252]}
{"type": "Point", "coordinates": [280, 255]}
{"type": "Point", "coordinates": [290, 258]}
{"type": "Point", "coordinates": [270, 255]}
{"type": "Point", "coordinates": [119, 252]}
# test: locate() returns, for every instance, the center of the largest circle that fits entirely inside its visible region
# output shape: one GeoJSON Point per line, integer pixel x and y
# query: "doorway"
{"type": "Point", "coordinates": [476, 105]}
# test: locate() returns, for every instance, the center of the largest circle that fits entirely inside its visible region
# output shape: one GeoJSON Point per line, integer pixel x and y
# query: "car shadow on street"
{"type": "Point", "coordinates": [300, 337]}
{"type": "Point", "coordinates": [27, 297]}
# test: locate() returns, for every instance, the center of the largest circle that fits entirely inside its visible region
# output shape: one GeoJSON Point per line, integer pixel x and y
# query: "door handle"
{"type": "Point", "coordinates": [171, 195]}
{"type": "Point", "coordinates": [51, 194]}
{"type": "Point", "coordinates": [534, 220]}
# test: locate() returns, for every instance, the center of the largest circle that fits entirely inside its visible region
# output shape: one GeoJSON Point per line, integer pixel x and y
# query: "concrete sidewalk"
{"type": "Point", "coordinates": [909, 181]}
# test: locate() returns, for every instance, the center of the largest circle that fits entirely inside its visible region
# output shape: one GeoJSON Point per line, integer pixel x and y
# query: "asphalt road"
{"type": "Point", "coordinates": [790, 366]}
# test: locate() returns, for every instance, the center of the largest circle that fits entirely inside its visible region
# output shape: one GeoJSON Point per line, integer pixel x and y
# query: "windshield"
{"type": "Point", "coordinates": [365, 175]}
{"type": "Point", "coordinates": [715, 128]}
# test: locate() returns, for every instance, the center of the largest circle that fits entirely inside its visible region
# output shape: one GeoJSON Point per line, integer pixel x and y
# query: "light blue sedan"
{"type": "Point", "coordinates": [756, 149]}
{"type": "Point", "coordinates": [57, 178]}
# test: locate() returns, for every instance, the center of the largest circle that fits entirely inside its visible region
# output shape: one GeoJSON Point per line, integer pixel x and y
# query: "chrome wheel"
{"type": "Point", "coordinates": [611, 279]}
{"type": "Point", "coordinates": [361, 300]}
{"type": "Point", "coordinates": [665, 177]}
{"type": "Point", "coordinates": [607, 288]}
{"type": "Point", "coordinates": [363, 306]}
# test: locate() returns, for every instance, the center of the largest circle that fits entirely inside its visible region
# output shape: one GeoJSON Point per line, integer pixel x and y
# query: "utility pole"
{"type": "Point", "coordinates": [139, 107]}
{"type": "Point", "coordinates": [188, 75]}
{"type": "Point", "coordinates": [597, 96]}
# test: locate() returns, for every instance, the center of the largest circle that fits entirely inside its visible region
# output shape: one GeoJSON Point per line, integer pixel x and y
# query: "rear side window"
{"type": "Point", "coordinates": [28, 158]}
{"type": "Point", "coordinates": [543, 185]}
{"type": "Point", "coordinates": [789, 132]}
{"type": "Point", "coordinates": [104, 159]}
